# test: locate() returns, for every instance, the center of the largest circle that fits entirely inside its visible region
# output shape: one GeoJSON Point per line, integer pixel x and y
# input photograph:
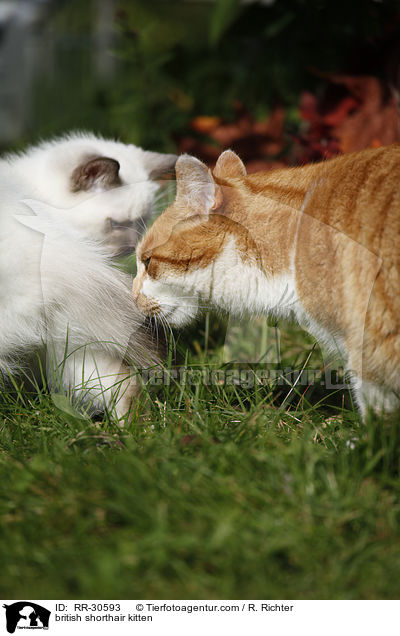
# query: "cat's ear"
{"type": "Point", "coordinates": [195, 186]}
{"type": "Point", "coordinates": [229, 165]}
{"type": "Point", "coordinates": [159, 166]}
{"type": "Point", "coordinates": [96, 173]}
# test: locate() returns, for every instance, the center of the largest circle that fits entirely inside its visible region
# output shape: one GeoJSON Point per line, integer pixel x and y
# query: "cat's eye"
{"type": "Point", "coordinates": [147, 263]}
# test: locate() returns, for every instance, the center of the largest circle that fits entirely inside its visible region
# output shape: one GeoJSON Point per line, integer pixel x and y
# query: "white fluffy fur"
{"type": "Point", "coordinates": [60, 294]}
{"type": "Point", "coordinates": [46, 170]}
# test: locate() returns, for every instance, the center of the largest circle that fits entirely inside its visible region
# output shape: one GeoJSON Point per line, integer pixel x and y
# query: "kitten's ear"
{"type": "Point", "coordinates": [195, 186]}
{"type": "Point", "coordinates": [229, 165]}
{"type": "Point", "coordinates": [97, 172]}
{"type": "Point", "coordinates": [159, 166]}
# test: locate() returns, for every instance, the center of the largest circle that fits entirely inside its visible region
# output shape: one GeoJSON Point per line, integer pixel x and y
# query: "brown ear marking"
{"type": "Point", "coordinates": [159, 166]}
{"type": "Point", "coordinates": [102, 171]}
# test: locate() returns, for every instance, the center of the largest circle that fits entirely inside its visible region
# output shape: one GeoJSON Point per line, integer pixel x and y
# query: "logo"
{"type": "Point", "coordinates": [26, 615]}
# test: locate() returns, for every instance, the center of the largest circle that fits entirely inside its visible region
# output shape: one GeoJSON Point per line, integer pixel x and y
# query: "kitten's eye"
{"type": "Point", "coordinates": [119, 225]}
{"type": "Point", "coordinates": [113, 224]}
{"type": "Point", "coordinates": [147, 263]}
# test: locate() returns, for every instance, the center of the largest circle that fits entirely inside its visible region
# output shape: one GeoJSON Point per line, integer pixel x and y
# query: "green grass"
{"type": "Point", "coordinates": [220, 491]}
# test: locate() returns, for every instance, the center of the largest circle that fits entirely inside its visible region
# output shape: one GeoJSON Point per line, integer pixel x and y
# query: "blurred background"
{"type": "Point", "coordinates": [278, 81]}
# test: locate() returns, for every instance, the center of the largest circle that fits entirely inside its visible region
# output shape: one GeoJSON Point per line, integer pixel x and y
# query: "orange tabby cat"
{"type": "Point", "coordinates": [320, 243]}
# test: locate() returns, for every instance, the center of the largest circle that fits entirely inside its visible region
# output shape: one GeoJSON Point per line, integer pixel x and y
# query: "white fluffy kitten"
{"type": "Point", "coordinates": [104, 188]}
{"type": "Point", "coordinates": [59, 295]}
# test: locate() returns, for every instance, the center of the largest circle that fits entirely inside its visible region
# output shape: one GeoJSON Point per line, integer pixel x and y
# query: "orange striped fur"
{"type": "Point", "coordinates": [326, 236]}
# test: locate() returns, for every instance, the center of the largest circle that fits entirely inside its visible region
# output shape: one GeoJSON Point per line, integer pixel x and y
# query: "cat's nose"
{"type": "Point", "coordinates": [147, 305]}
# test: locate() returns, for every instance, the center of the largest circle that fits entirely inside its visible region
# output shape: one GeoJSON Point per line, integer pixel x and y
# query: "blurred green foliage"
{"type": "Point", "coordinates": [182, 58]}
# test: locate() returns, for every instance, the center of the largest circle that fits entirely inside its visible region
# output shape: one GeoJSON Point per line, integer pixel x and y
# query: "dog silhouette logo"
{"type": "Point", "coordinates": [26, 615]}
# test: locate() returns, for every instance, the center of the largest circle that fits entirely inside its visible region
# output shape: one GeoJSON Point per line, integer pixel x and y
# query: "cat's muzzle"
{"type": "Point", "coordinates": [148, 306]}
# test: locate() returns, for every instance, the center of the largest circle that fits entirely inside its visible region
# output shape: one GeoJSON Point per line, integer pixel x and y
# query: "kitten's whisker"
{"type": "Point", "coordinates": [159, 196]}
{"type": "Point", "coordinates": [142, 222]}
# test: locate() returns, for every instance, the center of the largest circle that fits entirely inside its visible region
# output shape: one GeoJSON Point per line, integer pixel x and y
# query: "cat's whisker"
{"type": "Point", "coordinates": [184, 297]}
{"type": "Point", "coordinates": [156, 331]}
{"type": "Point", "coordinates": [165, 325]}
{"type": "Point", "coordinates": [165, 321]}
{"type": "Point", "coordinates": [197, 306]}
